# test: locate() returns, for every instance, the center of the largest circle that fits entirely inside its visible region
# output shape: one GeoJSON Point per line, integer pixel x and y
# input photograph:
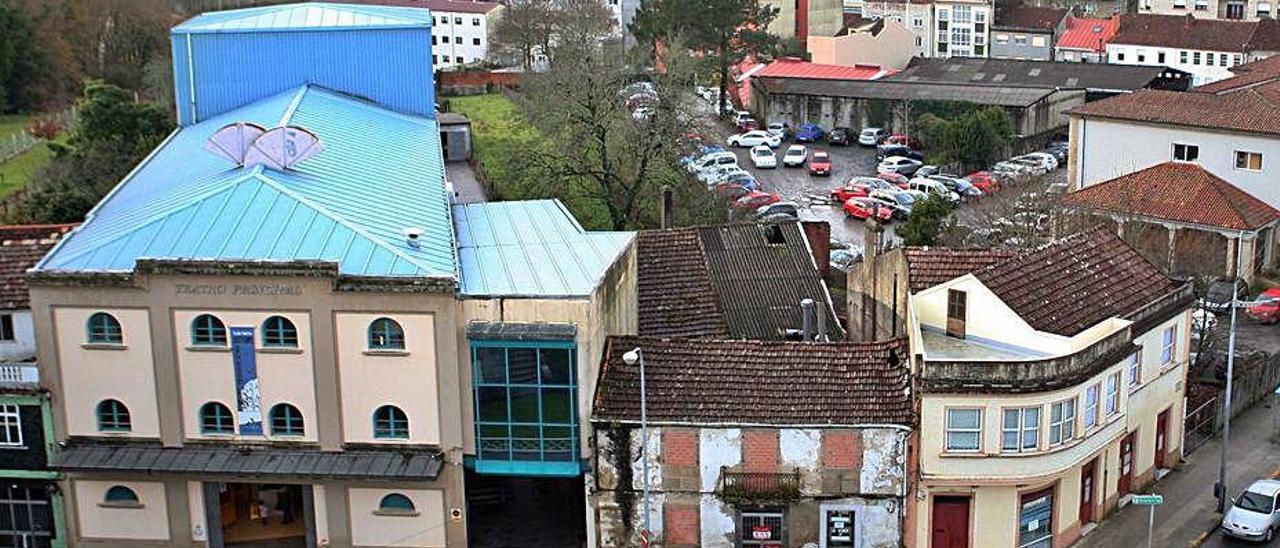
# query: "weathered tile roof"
{"type": "Point", "coordinates": [1258, 72]}
{"type": "Point", "coordinates": [728, 281]}
{"type": "Point", "coordinates": [21, 247]}
{"type": "Point", "coordinates": [930, 266]}
{"type": "Point", "coordinates": [1029, 17]}
{"type": "Point", "coordinates": [1073, 283]}
{"type": "Point", "coordinates": [1177, 191]}
{"type": "Point", "coordinates": [1251, 110]}
{"type": "Point", "coordinates": [755, 382]}
{"type": "Point", "coordinates": [1186, 32]}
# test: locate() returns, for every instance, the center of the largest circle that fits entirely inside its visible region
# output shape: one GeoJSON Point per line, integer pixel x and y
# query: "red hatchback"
{"type": "Point", "coordinates": [984, 180]}
{"type": "Point", "coordinates": [1267, 311]}
{"type": "Point", "coordinates": [853, 190]}
{"type": "Point", "coordinates": [820, 163]}
{"type": "Point", "coordinates": [899, 139]}
{"type": "Point", "coordinates": [897, 179]}
{"type": "Point", "coordinates": [865, 208]}
{"type": "Point", "coordinates": [756, 199]}
{"type": "Point", "coordinates": [731, 191]}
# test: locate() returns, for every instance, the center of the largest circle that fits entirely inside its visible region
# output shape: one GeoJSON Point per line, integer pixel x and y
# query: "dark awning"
{"type": "Point", "coordinates": [521, 331]}
{"type": "Point", "coordinates": [363, 464]}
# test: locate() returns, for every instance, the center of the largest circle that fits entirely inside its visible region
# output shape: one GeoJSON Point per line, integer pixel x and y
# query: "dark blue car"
{"type": "Point", "coordinates": [809, 133]}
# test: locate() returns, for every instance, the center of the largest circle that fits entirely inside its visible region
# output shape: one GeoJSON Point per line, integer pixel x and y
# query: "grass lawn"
{"type": "Point", "coordinates": [16, 173]}
{"type": "Point", "coordinates": [12, 123]}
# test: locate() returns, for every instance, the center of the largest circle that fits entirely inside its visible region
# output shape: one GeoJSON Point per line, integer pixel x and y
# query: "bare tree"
{"type": "Point", "coordinates": [525, 30]}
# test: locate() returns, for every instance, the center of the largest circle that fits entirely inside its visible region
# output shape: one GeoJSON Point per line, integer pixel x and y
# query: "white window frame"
{"type": "Point", "coordinates": [1247, 155]}
{"type": "Point", "coordinates": [10, 426]}
{"type": "Point", "coordinates": [1022, 431]}
{"type": "Point", "coordinates": [1063, 428]}
{"type": "Point", "coordinates": [1092, 409]}
{"type": "Point", "coordinates": [1168, 344]}
{"type": "Point", "coordinates": [948, 430]}
{"type": "Point", "coordinates": [1113, 394]}
{"type": "Point", "coordinates": [1133, 368]}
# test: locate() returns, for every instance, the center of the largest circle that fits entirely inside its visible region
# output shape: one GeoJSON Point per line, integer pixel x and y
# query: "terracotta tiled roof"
{"type": "Point", "coordinates": [1029, 17]}
{"type": "Point", "coordinates": [1179, 192]}
{"type": "Point", "coordinates": [1247, 75]}
{"type": "Point", "coordinates": [1076, 282]}
{"type": "Point", "coordinates": [754, 382]}
{"type": "Point", "coordinates": [1087, 33]}
{"type": "Point", "coordinates": [930, 266]}
{"type": "Point", "coordinates": [21, 247]}
{"type": "Point", "coordinates": [1185, 32]}
{"type": "Point", "coordinates": [795, 68]}
{"type": "Point", "coordinates": [727, 281]}
{"type": "Point", "coordinates": [1252, 110]}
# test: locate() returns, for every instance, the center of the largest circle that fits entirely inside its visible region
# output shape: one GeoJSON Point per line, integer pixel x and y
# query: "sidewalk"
{"type": "Point", "coordinates": [1189, 510]}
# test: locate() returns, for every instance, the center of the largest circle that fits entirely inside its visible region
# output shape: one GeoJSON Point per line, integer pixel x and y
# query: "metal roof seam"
{"type": "Point", "coordinates": [293, 106]}
{"type": "Point", "coordinates": [236, 226]}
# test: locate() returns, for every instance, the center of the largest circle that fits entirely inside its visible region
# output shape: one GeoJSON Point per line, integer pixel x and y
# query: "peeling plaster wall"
{"type": "Point", "coordinates": [717, 522]}
{"type": "Point", "coordinates": [877, 520]}
{"type": "Point", "coordinates": [883, 462]}
{"type": "Point", "coordinates": [716, 448]}
{"type": "Point", "coordinates": [655, 460]}
{"type": "Point", "coordinates": [802, 448]}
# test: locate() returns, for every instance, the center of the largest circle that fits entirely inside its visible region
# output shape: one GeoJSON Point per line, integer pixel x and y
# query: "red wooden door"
{"type": "Point", "coordinates": [1162, 435]}
{"type": "Point", "coordinates": [1126, 464]}
{"type": "Point", "coordinates": [1087, 475]}
{"type": "Point", "coordinates": [950, 522]}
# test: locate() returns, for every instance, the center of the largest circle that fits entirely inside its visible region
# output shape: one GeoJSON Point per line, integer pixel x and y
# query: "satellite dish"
{"type": "Point", "coordinates": [233, 140]}
{"type": "Point", "coordinates": [283, 147]}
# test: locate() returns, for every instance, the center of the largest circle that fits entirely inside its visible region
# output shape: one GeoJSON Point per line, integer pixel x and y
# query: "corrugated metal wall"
{"type": "Point", "coordinates": [391, 67]}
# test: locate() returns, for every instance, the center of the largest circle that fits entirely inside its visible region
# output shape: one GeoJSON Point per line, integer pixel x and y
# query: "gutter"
{"type": "Point", "coordinates": [869, 426]}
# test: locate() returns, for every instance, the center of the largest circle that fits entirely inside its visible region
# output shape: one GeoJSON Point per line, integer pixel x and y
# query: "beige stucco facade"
{"type": "Point", "coordinates": [892, 47]}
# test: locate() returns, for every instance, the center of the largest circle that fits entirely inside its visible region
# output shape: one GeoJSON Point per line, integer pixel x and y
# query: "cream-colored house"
{"type": "Point", "coordinates": [1050, 383]}
{"type": "Point", "coordinates": [881, 42]}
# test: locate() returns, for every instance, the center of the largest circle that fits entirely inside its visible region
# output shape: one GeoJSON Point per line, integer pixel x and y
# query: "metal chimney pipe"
{"type": "Point", "coordinates": [806, 309]}
{"type": "Point", "coordinates": [668, 207]}
{"type": "Point", "coordinates": [822, 323]}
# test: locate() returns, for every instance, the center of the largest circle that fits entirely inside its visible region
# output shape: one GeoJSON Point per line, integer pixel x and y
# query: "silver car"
{"type": "Point", "coordinates": [1255, 514]}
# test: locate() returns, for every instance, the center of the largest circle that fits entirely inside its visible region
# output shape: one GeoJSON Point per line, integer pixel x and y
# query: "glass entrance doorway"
{"type": "Point", "coordinates": [259, 515]}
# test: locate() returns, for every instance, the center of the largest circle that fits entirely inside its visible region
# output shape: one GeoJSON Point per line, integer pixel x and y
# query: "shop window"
{"type": "Point", "coordinates": [104, 329]}
{"type": "Point", "coordinates": [765, 527]}
{"type": "Point", "coordinates": [386, 334]}
{"type": "Point", "coordinates": [10, 426]}
{"type": "Point", "coordinates": [390, 422]}
{"type": "Point", "coordinates": [279, 332]}
{"type": "Point", "coordinates": [1035, 520]}
{"type": "Point", "coordinates": [525, 399]}
{"type": "Point", "coordinates": [208, 330]}
{"type": "Point", "coordinates": [216, 418]}
{"type": "Point", "coordinates": [964, 429]}
{"type": "Point", "coordinates": [113, 416]}
{"type": "Point", "coordinates": [286, 420]}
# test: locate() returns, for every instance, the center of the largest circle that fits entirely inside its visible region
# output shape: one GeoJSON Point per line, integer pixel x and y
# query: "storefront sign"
{"type": "Point", "coordinates": [762, 532]}
{"type": "Point", "coordinates": [249, 290]}
{"type": "Point", "coordinates": [839, 528]}
{"type": "Point", "coordinates": [248, 404]}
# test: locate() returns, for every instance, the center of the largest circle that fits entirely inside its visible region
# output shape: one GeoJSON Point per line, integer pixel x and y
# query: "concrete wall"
{"type": "Point", "coordinates": [93, 373]}
{"type": "Point", "coordinates": [892, 48]}
{"type": "Point", "coordinates": [1021, 44]}
{"type": "Point", "coordinates": [147, 520]}
{"type": "Point", "coordinates": [369, 527]}
{"type": "Point", "coordinates": [370, 379]}
{"type": "Point", "coordinates": [1105, 149]}
{"type": "Point", "coordinates": [23, 345]}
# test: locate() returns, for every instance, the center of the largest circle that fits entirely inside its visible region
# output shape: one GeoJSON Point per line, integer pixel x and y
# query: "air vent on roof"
{"type": "Point", "coordinates": [1097, 29]}
{"type": "Point", "coordinates": [1034, 72]}
{"type": "Point", "coordinates": [248, 144]}
{"type": "Point", "coordinates": [413, 237]}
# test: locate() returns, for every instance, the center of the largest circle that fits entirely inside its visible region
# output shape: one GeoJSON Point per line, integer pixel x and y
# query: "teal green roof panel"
{"type": "Point", "coordinates": [305, 16]}
{"type": "Point", "coordinates": [531, 248]}
{"type": "Point", "coordinates": [380, 172]}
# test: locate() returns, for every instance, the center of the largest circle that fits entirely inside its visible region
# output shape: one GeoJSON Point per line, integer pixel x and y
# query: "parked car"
{"type": "Point", "coordinates": [1267, 310]}
{"type": "Point", "coordinates": [780, 129]}
{"type": "Point", "coordinates": [927, 170]}
{"type": "Point", "coordinates": [754, 138]}
{"type": "Point", "coordinates": [844, 259]}
{"type": "Point", "coordinates": [865, 207]}
{"type": "Point", "coordinates": [906, 141]}
{"type": "Point", "coordinates": [1218, 297]}
{"type": "Point", "coordinates": [757, 198]}
{"type": "Point", "coordinates": [723, 157]}
{"type": "Point", "coordinates": [1059, 150]}
{"type": "Point", "coordinates": [964, 188]}
{"type": "Point", "coordinates": [987, 182]}
{"type": "Point", "coordinates": [859, 187]}
{"type": "Point", "coordinates": [740, 115]}
{"type": "Point", "coordinates": [731, 191]}
{"type": "Point", "coordinates": [809, 133]}
{"type": "Point", "coordinates": [935, 188]}
{"type": "Point", "coordinates": [715, 174]}
{"type": "Point", "coordinates": [1013, 171]}
{"type": "Point", "coordinates": [698, 153]}
{"type": "Point", "coordinates": [839, 136]}
{"type": "Point", "coordinates": [790, 209]}
{"type": "Point", "coordinates": [872, 136]}
{"type": "Point", "coordinates": [749, 124]}
{"type": "Point", "coordinates": [896, 179]}
{"type": "Point", "coordinates": [898, 164]}
{"type": "Point", "coordinates": [1255, 514]}
{"type": "Point", "coordinates": [899, 201]}
{"type": "Point", "coordinates": [885, 151]}
{"type": "Point", "coordinates": [820, 164]}
{"type": "Point", "coordinates": [763, 157]}
{"type": "Point", "coordinates": [1049, 161]}
{"type": "Point", "coordinates": [743, 178]}
{"type": "Point", "coordinates": [1034, 166]}
{"type": "Point", "coordinates": [795, 156]}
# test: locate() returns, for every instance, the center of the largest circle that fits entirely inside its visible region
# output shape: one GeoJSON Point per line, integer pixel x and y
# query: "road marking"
{"type": "Point", "coordinates": [1275, 473]}
{"type": "Point", "coordinates": [1200, 539]}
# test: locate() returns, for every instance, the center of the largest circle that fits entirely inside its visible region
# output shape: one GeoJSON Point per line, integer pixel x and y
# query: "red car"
{"type": "Point", "coordinates": [984, 180]}
{"type": "Point", "coordinates": [820, 163]}
{"type": "Point", "coordinates": [865, 208]}
{"type": "Point", "coordinates": [748, 124]}
{"type": "Point", "coordinates": [1267, 311]}
{"type": "Point", "coordinates": [897, 179]}
{"type": "Point", "coordinates": [899, 139]}
{"type": "Point", "coordinates": [757, 198]}
{"type": "Point", "coordinates": [731, 191]}
{"type": "Point", "coordinates": [852, 190]}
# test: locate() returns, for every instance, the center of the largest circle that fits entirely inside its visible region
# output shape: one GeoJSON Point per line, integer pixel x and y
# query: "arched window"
{"type": "Point", "coordinates": [113, 416]}
{"type": "Point", "coordinates": [389, 422]}
{"type": "Point", "coordinates": [286, 420]}
{"type": "Point", "coordinates": [396, 503]}
{"type": "Point", "coordinates": [104, 329]}
{"type": "Point", "coordinates": [208, 330]}
{"type": "Point", "coordinates": [279, 332]}
{"type": "Point", "coordinates": [386, 334]}
{"type": "Point", "coordinates": [119, 494]}
{"type": "Point", "coordinates": [216, 418]}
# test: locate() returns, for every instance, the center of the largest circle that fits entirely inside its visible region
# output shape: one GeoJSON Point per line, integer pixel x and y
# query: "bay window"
{"type": "Point", "coordinates": [525, 401]}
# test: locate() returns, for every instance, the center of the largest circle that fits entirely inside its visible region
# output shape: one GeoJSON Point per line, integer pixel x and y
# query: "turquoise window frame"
{"type": "Point", "coordinates": [386, 334]}
{"type": "Point", "coordinates": [393, 430]}
{"type": "Point", "coordinates": [396, 502]}
{"type": "Point", "coordinates": [113, 416]}
{"type": "Point", "coordinates": [287, 421]}
{"type": "Point", "coordinates": [279, 332]}
{"type": "Point", "coordinates": [216, 418]}
{"type": "Point", "coordinates": [208, 330]}
{"type": "Point", "coordinates": [539, 455]}
{"type": "Point", "coordinates": [103, 328]}
{"type": "Point", "coordinates": [120, 493]}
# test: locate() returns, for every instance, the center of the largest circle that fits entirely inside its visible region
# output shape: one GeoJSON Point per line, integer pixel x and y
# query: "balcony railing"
{"type": "Point", "coordinates": [20, 374]}
{"type": "Point", "coordinates": [1026, 375]}
{"type": "Point", "coordinates": [759, 487]}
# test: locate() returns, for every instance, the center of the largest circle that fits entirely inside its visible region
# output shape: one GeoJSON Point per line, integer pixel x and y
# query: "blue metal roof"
{"type": "Point", "coordinates": [311, 15]}
{"type": "Point", "coordinates": [531, 248]}
{"type": "Point", "coordinates": [380, 172]}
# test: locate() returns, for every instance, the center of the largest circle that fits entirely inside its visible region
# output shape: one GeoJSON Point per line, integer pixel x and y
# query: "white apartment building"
{"type": "Point", "coordinates": [1206, 48]}
{"type": "Point", "coordinates": [962, 29]}
{"type": "Point", "coordinates": [1238, 10]}
{"type": "Point", "coordinates": [462, 31]}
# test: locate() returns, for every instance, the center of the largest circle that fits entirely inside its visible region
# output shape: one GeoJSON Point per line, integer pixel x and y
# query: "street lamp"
{"type": "Point", "coordinates": [632, 358]}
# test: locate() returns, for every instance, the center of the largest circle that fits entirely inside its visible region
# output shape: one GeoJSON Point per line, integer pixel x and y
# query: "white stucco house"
{"type": "Point", "coordinates": [1206, 48]}
{"type": "Point", "coordinates": [462, 31]}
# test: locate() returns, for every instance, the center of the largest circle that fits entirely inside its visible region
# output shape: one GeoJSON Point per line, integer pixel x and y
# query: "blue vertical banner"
{"type": "Point", "coordinates": [248, 404]}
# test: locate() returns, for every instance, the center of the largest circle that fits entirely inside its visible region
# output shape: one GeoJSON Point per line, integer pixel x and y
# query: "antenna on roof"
{"type": "Point", "coordinates": [233, 140]}
{"type": "Point", "coordinates": [283, 147]}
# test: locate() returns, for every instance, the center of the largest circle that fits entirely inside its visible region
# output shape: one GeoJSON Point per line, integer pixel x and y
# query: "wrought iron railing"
{"type": "Point", "coordinates": [759, 486]}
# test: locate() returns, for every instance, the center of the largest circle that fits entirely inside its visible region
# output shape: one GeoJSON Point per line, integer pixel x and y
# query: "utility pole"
{"type": "Point", "coordinates": [632, 358]}
{"type": "Point", "coordinates": [1231, 370]}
